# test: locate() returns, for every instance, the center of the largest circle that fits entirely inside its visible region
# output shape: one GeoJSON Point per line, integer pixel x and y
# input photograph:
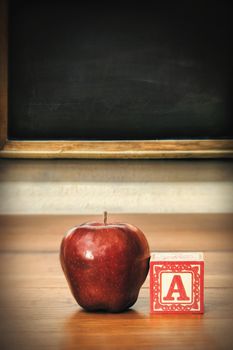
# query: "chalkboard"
{"type": "Point", "coordinates": [95, 72]}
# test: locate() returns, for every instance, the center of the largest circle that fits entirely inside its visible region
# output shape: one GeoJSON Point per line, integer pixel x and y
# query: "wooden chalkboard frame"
{"type": "Point", "coordinates": [93, 149]}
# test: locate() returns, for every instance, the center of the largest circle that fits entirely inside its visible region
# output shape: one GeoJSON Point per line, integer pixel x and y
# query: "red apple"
{"type": "Point", "coordinates": [105, 264]}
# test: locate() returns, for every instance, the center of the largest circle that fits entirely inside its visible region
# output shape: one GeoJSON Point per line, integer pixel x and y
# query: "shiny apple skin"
{"type": "Point", "coordinates": [105, 265]}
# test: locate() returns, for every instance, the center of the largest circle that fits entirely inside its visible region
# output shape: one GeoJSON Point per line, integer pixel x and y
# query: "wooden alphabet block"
{"type": "Point", "coordinates": [177, 282]}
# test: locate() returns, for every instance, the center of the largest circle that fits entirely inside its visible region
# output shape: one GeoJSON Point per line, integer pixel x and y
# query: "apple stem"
{"type": "Point", "coordinates": [105, 217]}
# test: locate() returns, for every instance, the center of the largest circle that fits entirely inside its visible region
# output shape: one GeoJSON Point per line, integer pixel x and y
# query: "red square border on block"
{"type": "Point", "coordinates": [177, 283]}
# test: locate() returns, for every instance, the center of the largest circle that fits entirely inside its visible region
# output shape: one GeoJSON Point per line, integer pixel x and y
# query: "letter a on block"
{"type": "Point", "coordinates": [177, 282]}
{"type": "Point", "coordinates": [176, 287]}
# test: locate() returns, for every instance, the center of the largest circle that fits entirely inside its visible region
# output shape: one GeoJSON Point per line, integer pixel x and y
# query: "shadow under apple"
{"type": "Point", "coordinates": [100, 329]}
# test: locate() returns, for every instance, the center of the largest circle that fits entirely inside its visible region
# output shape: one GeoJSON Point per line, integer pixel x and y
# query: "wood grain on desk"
{"type": "Point", "coordinates": [38, 311]}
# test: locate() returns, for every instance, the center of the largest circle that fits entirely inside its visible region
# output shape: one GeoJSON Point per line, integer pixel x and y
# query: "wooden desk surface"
{"type": "Point", "coordinates": [38, 311]}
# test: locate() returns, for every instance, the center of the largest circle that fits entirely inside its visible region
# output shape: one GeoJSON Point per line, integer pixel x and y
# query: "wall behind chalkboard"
{"type": "Point", "coordinates": [94, 73]}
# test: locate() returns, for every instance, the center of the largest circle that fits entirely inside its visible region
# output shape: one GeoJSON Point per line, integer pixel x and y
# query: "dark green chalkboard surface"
{"type": "Point", "coordinates": [97, 72]}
